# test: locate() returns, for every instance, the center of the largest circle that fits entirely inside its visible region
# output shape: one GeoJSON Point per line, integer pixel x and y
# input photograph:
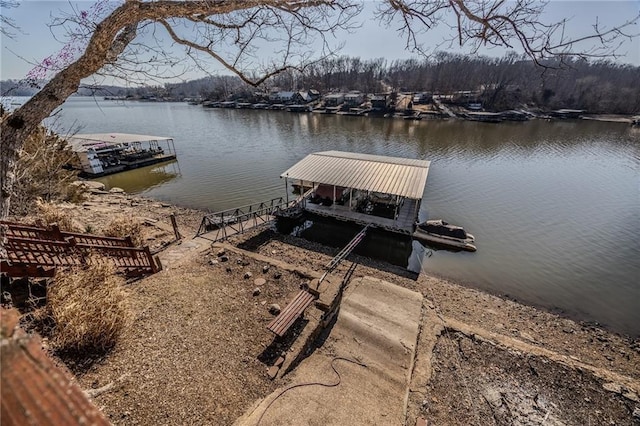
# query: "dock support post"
{"type": "Point", "coordinates": [286, 190]}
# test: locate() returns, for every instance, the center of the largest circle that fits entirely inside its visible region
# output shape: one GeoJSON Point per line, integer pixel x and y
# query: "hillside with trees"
{"type": "Point", "coordinates": [509, 82]}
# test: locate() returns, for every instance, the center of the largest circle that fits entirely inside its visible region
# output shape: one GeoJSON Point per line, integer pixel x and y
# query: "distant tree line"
{"type": "Point", "coordinates": [509, 82]}
{"type": "Point", "coordinates": [503, 83]}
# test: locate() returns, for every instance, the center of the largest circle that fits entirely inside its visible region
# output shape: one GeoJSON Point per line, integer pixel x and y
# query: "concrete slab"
{"type": "Point", "coordinates": [361, 373]}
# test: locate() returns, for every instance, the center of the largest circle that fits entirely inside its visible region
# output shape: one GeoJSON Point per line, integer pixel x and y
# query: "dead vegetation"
{"type": "Point", "coordinates": [42, 172]}
{"type": "Point", "coordinates": [89, 307]}
{"type": "Point", "coordinates": [123, 226]}
{"type": "Point", "coordinates": [48, 214]}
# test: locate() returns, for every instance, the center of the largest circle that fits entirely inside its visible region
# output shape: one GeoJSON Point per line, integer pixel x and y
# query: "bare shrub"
{"type": "Point", "coordinates": [123, 226]}
{"type": "Point", "coordinates": [89, 306]}
{"type": "Point", "coordinates": [48, 214]}
{"type": "Point", "coordinates": [42, 172]}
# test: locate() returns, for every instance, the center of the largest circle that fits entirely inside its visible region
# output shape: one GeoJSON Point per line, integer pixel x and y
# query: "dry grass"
{"type": "Point", "coordinates": [123, 226]}
{"type": "Point", "coordinates": [89, 306]}
{"type": "Point", "coordinates": [49, 214]}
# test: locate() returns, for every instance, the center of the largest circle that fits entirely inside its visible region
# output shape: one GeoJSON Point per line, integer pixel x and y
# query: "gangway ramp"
{"type": "Point", "coordinates": [226, 223]}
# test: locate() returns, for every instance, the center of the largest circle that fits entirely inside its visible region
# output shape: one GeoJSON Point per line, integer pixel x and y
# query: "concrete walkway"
{"type": "Point", "coordinates": [371, 347]}
{"type": "Point", "coordinates": [177, 253]}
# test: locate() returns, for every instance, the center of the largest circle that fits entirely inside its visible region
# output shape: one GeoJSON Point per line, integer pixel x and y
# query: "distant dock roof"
{"type": "Point", "coordinates": [78, 142]}
{"type": "Point", "coordinates": [404, 177]}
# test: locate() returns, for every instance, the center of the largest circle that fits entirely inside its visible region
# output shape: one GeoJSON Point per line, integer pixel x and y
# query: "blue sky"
{"type": "Point", "coordinates": [35, 41]}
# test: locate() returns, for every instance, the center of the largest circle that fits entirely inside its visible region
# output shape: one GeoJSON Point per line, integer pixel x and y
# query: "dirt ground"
{"type": "Point", "coordinates": [198, 350]}
{"type": "Point", "coordinates": [475, 382]}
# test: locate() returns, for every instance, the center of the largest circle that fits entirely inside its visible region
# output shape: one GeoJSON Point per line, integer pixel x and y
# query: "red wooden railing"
{"type": "Point", "coordinates": [36, 252]}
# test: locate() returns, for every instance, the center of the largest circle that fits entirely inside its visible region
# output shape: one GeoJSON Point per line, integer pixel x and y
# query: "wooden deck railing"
{"type": "Point", "coordinates": [34, 251]}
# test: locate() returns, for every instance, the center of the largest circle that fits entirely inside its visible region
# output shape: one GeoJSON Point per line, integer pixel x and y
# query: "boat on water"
{"type": "Point", "coordinates": [442, 233]}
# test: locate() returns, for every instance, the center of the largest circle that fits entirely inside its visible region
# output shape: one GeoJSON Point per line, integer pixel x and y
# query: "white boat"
{"type": "Point", "coordinates": [441, 233]}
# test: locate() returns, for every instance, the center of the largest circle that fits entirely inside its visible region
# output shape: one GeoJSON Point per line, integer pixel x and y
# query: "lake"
{"type": "Point", "coordinates": [554, 205]}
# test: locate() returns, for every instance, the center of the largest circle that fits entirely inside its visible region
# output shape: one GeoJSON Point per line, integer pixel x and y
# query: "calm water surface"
{"type": "Point", "coordinates": [554, 206]}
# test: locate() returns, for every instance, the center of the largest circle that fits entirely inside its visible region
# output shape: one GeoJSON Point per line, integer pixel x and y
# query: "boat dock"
{"type": "Point", "coordinates": [101, 154]}
{"type": "Point", "coordinates": [370, 190]}
{"type": "Point", "coordinates": [377, 190]}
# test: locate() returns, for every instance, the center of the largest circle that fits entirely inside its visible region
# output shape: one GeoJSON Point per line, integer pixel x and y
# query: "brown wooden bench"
{"type": "Point", "coordinates": [290, 314]}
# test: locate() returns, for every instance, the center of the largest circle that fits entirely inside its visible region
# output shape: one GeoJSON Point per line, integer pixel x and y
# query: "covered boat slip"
{"type": "Point", "coordinates": [105, 153]}
{"type": "Point", "coordinates": [362, 188]}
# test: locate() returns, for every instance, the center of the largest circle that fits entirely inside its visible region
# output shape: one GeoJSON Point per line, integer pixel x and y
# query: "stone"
{"type": "Point", "coordinates": [527, 336]}
{"type": "Point", "coordinates": [612, 387]}
{"type": "Point", "coordinates": [264, 302]}
{"type": "Point", "coordinates": [493, 397]}
{"type": "Point", "coordinates": [636, 413]}
{"type": "Point", "coordinates": [277, 275]}
{"type": "Point", "coordinates": [224, 258]}
{"type": "Point", "coordinates": [272, 372]}
{"type": "Point", "coordinates": [247, 275]}
{"type": "Point", "coordinates": [92, 184]}
{"type": "Point", "coordinates": [421, 421]}
{"type": "Point", "coordinates": [116, 190]}
{"type": "Point", "coordinates": [274, 309]}
{"type": "Point", "coordinates": [229, 269]}
{"type": "Point", "coordinates": [260, 281]}
{"type": "Point", "coordinates": [221, 252]}
{"type": "Point", "coordinates": [256, 291]}
{"type": "Point", "coordinates": [213, 262]}
{"type": "Point", "coordinates": [265, 269]}
{"type": "Point", "coordinates": [279, 361]}
{"type": "Point", "coordinates": [631, 396]}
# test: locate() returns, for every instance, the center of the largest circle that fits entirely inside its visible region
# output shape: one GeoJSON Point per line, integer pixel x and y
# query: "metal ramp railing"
{"type": "Point", "coordinates": [305, 298]}
{"type": "Point", "coordinates": [238, 220]}
{"type": "Point", "coordinates": [346, 251]}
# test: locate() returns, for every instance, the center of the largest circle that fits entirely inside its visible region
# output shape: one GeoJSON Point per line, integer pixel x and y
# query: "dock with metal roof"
{"type": "Point", "coordinates": [101, 154]}
{"type": "Point", "coordinates": [361, 188]}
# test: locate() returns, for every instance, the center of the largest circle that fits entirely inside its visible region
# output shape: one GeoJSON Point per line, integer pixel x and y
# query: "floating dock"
{"type": "Point", "coordinates": [377, 190]}
{"type": "Point", "coordinates": [101, 154]}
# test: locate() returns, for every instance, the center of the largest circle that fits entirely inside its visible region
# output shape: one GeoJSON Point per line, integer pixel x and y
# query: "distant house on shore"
{"type": "Point", "coordinates": [381, 102]}
{"type": "Point", "coordinates": [334, 99]}
{"type": "Point", "coordinates": [354, 99]}
{"type": "Point", "coordinates": [282, 97]}
{"type": "Point", "coordinates": [299, 97]}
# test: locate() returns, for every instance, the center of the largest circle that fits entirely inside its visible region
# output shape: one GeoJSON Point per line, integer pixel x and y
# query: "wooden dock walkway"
{"type": "Point", "coordinates": [403, 224]}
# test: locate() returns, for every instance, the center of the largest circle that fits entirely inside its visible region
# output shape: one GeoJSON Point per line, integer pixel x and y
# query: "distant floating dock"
{"type": "Point", "coordinates": [101, 154]}
{"type": "Point", "coordinates": [365, 189]}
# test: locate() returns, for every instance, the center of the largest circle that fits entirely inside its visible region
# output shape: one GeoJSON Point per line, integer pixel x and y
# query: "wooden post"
{"type": "Point", "coordinates": [175, 227]}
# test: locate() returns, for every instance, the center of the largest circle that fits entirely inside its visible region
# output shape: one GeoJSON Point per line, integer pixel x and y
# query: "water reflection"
{"type": "Point", "coordinates": [143, 178]}
{"type": "Point", "coordinates": [377, 244]}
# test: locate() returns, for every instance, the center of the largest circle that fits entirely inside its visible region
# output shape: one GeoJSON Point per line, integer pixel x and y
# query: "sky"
{"type": "Point", "coordinates": [34, 41]}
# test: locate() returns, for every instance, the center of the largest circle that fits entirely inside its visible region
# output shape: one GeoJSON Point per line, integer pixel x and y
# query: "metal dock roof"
{"type": "Point", "coordinates": [404, 177]}
{"type": "Point", "coordinates": [83, 141]}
